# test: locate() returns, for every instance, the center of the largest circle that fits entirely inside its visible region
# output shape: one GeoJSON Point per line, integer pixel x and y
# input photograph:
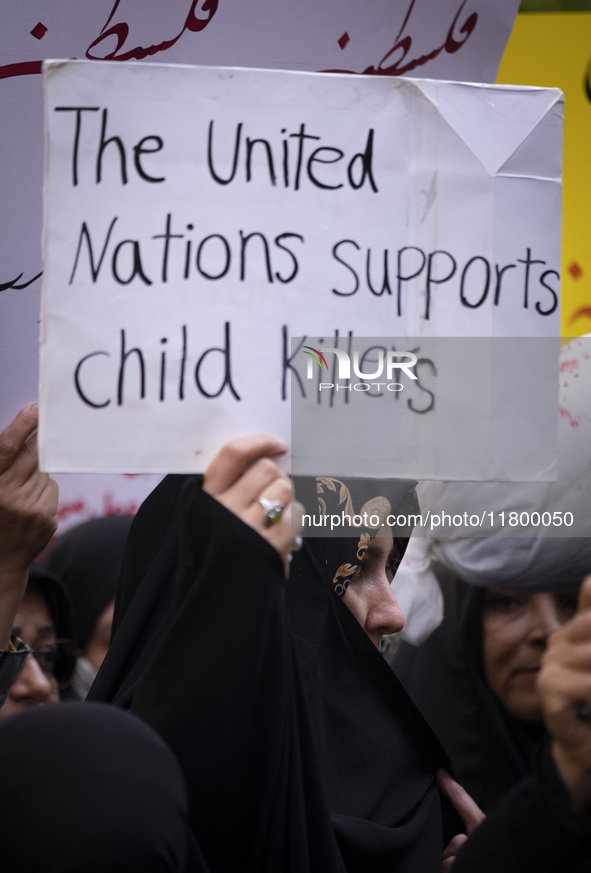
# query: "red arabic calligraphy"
{"type": "Point", "coordinates": [398, 60]}
{"type": "Point", "coordinates": [199, 16]}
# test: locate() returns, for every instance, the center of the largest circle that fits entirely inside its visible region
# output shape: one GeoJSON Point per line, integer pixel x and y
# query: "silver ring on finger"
{"type": "Point", "coordinates": [272, 511]}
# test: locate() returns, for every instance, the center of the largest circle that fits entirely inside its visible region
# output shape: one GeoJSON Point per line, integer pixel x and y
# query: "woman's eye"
{"type": "Point", "coordinates": [503, 603]}
{"type": "Point", "coordinates": [566, 603]}
{"type": "Point", "coordinates": [45, 661]}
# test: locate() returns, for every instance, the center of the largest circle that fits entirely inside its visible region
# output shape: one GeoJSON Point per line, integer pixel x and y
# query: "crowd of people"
{"type": "Point", "coordinates": [244, 718]}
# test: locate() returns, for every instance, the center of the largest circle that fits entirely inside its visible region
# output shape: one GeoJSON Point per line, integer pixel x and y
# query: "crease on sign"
{"type": "Point", "coordinates": [554, 180]}
{"type": "Point", "coordinates": [493, 127]}
{"type": "Point", "coordinates": [429, 193]}
{"type": "Point", "coordinates": [542, 144]}
{"type": "Point", "coordinates": [50, 67]}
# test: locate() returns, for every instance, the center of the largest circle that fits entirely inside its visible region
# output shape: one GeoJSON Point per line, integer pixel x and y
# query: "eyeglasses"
{"type": "Point", "coordinates": [58, 659]}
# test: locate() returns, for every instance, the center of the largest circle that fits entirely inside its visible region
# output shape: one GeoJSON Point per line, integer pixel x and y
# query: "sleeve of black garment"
{"type": "Point", "coordinates": [148, 530]}
{"type": "Point", "coordinates": [223, 689]}
{"type": "Point", "coordinates": [531, 829]}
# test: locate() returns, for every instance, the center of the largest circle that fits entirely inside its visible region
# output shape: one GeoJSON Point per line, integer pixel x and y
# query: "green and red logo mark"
{"type": "Point", "coordinates": [317, 355]}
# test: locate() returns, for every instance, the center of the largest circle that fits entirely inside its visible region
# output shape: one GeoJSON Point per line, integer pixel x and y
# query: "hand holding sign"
{"type": "Point", "coordinates": [243, 475]}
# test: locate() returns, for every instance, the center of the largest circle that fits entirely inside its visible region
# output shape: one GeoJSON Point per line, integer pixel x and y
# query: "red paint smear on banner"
{"type": "Point", "coordinates": [566, 414]}
{"type": "Point", "coordinates": [569, 366]}
{"type": "Point", "coordinates": [575, 270]}
{"type": "Point", "coordinates": [74, 507]}
{"type": "Point", "coordinates": [26, 68]}
{"type": "Point", "coordinates": [112, 507]}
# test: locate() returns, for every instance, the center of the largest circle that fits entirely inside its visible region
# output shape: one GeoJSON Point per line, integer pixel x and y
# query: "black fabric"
{"type": "Point", "coordinates": [90, 789]}
{"type": "Point", "coordinates": [88, 560]}
{"type": "Point", "coordinates": [58, 600]}
{"type": "Point", "coordinates": [491, 749]}
{"type": "Point", "coordinates": [144, 598]}
{"type": "Point", "coordinates": [379, 757]}
{"type": "Point", "coordinates": [220, 685]}
{"type": "Point", "coordinates": [532, 831]}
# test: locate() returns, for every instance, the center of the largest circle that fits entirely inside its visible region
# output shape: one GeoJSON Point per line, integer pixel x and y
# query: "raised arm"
{"type": "Point", "coordinates": [28, 512]}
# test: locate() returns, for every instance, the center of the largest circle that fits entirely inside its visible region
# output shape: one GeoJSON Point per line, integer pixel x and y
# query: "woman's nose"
{"type": "Point", "coordinates": [544, 618]}
{"type": "Point", "coordinates": [384, 615]}
{"type": "Point", "coordinates": [32, 685]}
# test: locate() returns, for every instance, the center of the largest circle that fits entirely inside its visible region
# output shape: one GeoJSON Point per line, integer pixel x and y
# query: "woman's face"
{"type": "Point", "coordinates": [516, 626]}
{"type": "Point", "coordinates": [33, 686]}
{"type": "Point", "coordinates": [369, 595]}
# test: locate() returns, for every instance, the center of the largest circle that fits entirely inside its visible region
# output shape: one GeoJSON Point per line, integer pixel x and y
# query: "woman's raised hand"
{"type": "Point", "coordinates": [564, 683]}
{"type": "Point", "coordinates": [243, 474]}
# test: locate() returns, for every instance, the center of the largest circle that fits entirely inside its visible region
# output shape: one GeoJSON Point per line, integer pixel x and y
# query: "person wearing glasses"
{"type": "Point", "coordinates": [43, 622]}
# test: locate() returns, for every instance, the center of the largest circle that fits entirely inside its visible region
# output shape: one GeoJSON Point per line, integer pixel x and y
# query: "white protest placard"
{"type": "Point", "coordinates": [197, 218]}
{"type": "Point", "coordinates": [440, 39]}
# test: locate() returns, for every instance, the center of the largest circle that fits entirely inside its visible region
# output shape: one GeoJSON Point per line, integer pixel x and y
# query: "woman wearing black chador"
{"type": "Point", "coordinates": [300, 749]}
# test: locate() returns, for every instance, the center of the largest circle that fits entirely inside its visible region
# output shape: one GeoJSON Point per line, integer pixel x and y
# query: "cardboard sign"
{"type": "Point", "coordinates": [198, 218]}
{"type": "Point", "coordinates": [442, 39]}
